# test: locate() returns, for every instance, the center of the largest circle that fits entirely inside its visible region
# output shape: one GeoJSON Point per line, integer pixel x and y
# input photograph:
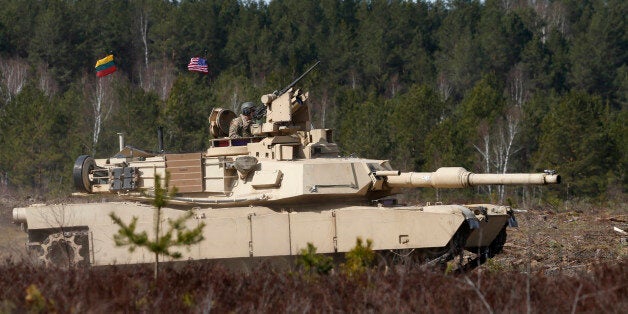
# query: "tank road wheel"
{"type": "Point", "coordinates": [438, 257]}
{"type": "Point", "coordinates": [82, 167]}
{"type": "Point", "coordinates": [484, 253]}
{"type": "Point", "coordinates": [403, 257]}
{"type": "Point", "coordinates": [399, 258]}
{"type": "Point", "coordinates": [64, 249]}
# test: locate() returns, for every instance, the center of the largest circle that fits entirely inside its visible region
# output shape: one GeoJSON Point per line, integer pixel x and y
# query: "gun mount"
{"type": "Point", "coordinates": [271, 194]}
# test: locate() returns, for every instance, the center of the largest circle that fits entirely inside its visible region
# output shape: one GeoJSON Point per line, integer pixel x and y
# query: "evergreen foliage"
{"type": "Point", "coordinates": [359, 259]}
{"type": "Point", "coordinates": [314, 263]}
{"type": "Point", "coordinates": [575, 141]}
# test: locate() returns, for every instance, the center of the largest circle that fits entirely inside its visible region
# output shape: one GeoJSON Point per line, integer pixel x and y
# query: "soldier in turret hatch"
{"type": "Point", "coordinates": [241, 126]}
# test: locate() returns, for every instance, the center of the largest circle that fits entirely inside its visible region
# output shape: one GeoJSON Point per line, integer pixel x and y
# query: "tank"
{"type": "Point", "coordinates": [267, 196]}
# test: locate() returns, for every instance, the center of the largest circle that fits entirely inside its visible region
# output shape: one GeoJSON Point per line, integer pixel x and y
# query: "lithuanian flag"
{"type": "Point", "coordinates": [105, 66]}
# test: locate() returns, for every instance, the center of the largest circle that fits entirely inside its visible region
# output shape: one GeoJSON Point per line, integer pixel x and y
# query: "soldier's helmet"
{"type": "Point", "coordinates": [247, 108]}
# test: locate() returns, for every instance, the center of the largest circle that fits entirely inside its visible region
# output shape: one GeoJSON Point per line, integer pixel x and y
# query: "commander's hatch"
{"type": "Point", "coordinates": [221, 144]}
{"type": "Point", "coordinates": [219, 121]}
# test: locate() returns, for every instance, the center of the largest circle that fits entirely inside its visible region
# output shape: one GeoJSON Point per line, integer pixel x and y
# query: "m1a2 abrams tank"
{"type": "Point", "coordinates": [268, 196]}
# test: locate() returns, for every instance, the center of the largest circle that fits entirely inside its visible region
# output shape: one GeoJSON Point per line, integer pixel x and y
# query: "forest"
{"type": "Point", "coordinates": [492, 86]}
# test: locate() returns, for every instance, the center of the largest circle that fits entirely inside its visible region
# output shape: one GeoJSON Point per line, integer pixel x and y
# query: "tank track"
{"type": "Point", "coordinates": [484, 253]}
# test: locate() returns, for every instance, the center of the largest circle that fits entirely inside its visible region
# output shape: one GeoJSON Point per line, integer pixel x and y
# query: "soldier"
{"type": "Point", "coordinates": [241, 126]}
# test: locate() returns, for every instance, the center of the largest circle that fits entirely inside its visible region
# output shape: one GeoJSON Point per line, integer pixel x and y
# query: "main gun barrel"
{"type": "Point", "coordinates": [458, 177]}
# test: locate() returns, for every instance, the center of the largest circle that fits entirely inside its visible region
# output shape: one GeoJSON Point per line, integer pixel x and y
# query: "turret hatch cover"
{"type": "Point", "coordinates": [219, 121]}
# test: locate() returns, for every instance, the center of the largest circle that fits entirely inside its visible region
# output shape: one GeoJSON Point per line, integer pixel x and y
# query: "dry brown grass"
{"type": "Point", "coordinates": [203, 287]}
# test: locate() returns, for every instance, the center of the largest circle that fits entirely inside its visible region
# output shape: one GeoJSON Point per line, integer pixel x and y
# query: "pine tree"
{"type": "Point", "coordinates": [176, 235]}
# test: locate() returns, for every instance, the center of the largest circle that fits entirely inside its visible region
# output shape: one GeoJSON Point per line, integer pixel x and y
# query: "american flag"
{"type": "Point", "coordinates": [198, 65]}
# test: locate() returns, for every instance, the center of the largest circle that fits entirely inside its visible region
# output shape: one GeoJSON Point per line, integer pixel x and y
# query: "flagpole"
{"type": "Point", "coordinates": [207, 62]}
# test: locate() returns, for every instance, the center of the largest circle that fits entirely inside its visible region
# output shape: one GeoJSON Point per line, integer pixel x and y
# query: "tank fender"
{"type": "Point", "coordinates": [469, 216]}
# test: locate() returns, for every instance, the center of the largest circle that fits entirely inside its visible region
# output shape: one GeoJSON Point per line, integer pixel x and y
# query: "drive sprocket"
{"type": "Point", "coordinates": [63, 249]}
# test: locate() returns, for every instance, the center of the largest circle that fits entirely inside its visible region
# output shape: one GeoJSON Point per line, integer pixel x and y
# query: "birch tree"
{"type": "Point", "coordinates": [497, 145]}
{"type": "Point", "coordinates": [518, 85]}
{"type": "Point", "coordinates": [45, 81]}
{"type": "Point", "coordinates": [146, 77]}
{"type": "Point", "coordinates": [485, 151]}
{"type": "Point", "coordinates": [101, 105]}
{"type": "Point", "coordinates": [13, 76]}
{"type": "Point", "coordinates": [504, 148]}
{"type": "Point", "coordinates": [444, 87]}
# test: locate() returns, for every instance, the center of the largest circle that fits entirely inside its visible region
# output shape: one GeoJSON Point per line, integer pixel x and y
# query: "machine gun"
{"type": "Point", "coordinates": [261, 111]}
{"type": "Point", "coordinates": [285, 89]}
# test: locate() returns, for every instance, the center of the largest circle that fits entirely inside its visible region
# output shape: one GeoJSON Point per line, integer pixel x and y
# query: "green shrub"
{"type": "Point", "coordinates": [312, 262]}
{"type": "Point", "coordinates": [359, 259]}
{"type": "Point", "coordinates": [36, 302]}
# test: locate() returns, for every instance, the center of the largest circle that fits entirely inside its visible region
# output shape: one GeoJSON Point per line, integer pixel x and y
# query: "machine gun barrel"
{"type": "Point", "coordinates": [458, 177]}
{"type": "Point", "coordinates": [285, 89]}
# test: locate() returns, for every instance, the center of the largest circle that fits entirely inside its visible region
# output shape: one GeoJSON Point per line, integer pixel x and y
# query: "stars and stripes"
{"type": "Point", "coordinates": [198, 65]}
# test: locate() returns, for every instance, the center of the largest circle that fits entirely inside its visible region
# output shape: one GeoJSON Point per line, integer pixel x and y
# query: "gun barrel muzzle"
{"type": "Point", "coordinates": [19, 215]}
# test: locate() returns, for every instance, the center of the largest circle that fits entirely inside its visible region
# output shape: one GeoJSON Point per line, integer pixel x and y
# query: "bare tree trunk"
{"type": "Point", "coordinates": [504, 148]}
{"type": "Point", "coordinates": [144, 34]}
{"type": "Point", "coordinates": [234, 101]}
{"type": "Point", "coordinates": [553, 15]}
{"type": "Point", "coordinates": [46, 82]}
{"type": "Point", "coordinates": [97, 105]}
{"type": "Point", "coordinates": [165, 75]}
{"type": "Point", "coordinates": [354, 80]}
{"type": "Point", "coordinates": [146, 78]}
{"type": "Point", "coordinates": [101, 109]}
{"type": "Point", "coordinates": [518, 85]}
{"type": "Point", "coordinates": [444, 87]}
{"type": "Point", "coordinates": [394, 85]}
{"type": "Point", "coordinates": [13, 75]}
{"type": "Point", "coordinates": [486, 156]}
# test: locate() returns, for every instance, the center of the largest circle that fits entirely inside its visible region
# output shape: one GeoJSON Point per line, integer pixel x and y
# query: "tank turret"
{"type": "Point", "coordinates": [270, 195]}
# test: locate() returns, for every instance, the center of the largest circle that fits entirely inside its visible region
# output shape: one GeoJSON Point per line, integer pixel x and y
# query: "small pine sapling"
{"type": "Point", "coordinates": [312, 262]}
{"type": "Point", "coordinates": [360, 258]}
{"type": "Point", "coordinates": [176, 235]}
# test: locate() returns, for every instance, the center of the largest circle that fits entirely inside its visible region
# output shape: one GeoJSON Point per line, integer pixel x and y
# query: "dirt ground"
{"type": "Point", "coordinates": [571, 239]}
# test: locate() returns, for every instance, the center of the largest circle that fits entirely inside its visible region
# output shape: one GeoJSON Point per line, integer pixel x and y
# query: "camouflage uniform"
{"type": "Point", "coordinates": [240, 127]}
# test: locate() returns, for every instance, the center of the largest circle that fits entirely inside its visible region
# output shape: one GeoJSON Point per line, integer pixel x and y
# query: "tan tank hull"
{"type": "Point", "coordinates": [248, 231]}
